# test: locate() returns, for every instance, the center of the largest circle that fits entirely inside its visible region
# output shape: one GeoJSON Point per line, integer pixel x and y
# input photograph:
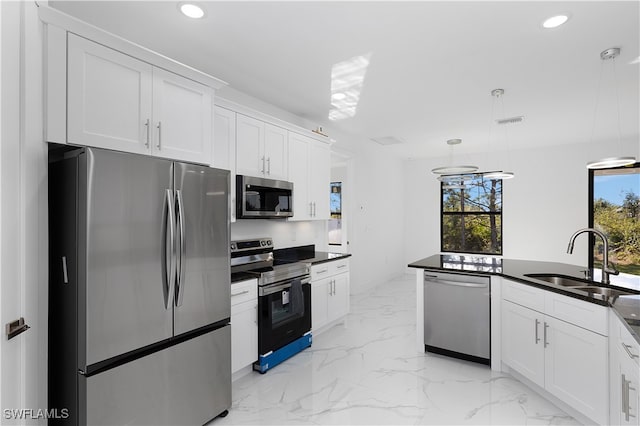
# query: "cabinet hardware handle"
{"type": "Point", "coordinates": [626, 408]}
{"type": "Point", "coordinates": [146, 124]}
{"type": "Point", "coordinates": [262, 171]}
{"type": "Point", "coordinates": [546, 343]}
{"type": "Point", "coordinates": [314, 209]}
{"type": "Point", "coordinates": [239, 294]}
{"type": "Point", "coordinates": [159, 135]}
{"type": "Point", "coordinates": [341, 266]}
{"type": "Point", "coordinates": [323, 271]}
{"type": "Point", "coordinates": [537, 337]}
{"type": "Point", "coordinates": [330, 288]}
{"type": "Point", "coordinates": [269, 165]}
{"type": "Point", "coordinates": [627, 349]}
{"type": "Point", "coordinates": [310, 209]}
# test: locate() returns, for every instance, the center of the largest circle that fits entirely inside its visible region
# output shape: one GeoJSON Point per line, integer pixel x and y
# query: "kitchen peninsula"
{"type": "Point", "coordinates": [561, 339]}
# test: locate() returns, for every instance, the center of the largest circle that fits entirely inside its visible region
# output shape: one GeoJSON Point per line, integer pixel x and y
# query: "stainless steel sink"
{"type": "Point", "coordinates": [561, 280]}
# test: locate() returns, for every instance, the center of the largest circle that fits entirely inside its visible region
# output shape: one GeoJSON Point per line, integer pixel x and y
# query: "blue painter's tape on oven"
{"type": "Point", "coordinates": [271, 359]}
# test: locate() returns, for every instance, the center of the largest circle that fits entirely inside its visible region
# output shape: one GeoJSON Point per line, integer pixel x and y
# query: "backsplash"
{"type": "Point", "coordinates": [284, 234]}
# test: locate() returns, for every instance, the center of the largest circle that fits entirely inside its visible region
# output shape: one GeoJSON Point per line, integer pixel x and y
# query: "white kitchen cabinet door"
{"type": "Point", "coordinates": [244, 335]}
{"type": "Point", "coordinates": [244, 324]}
{"type": "Point", "coordinates": [250, 159]}
{"type": "Point", "coordinates": [276, 143]}
{"type": "Point", "coordinates": [320, 303]}
{"type": "Point", "coordinates": [108, 98]}
{"type": "Point", "coordinates": [299, 151]}
{"type": "Point", "coordinates": [624, 384]}
{"type": "Point", "coordinates": [576, 368]}
{"type": "Point", "coordinates": [320, 180]}
{"type": "Point", "coordinates": [338, 305]}
{"type": "Point", "coordinates": [182, 112]}
{"type": "Point", "coordinates": [625, 390]}
{"type": "Point", "coordinates": [224, 150]}
{"type": "Point", "coordinates": [522, 341]}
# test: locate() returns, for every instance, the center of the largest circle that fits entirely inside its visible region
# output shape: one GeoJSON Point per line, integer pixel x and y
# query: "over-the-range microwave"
{"type": "Point", "coordinates": [261, 198]}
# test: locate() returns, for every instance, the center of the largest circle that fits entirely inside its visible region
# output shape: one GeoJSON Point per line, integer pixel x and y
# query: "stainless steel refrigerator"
{"type": "Point", "coordinates": [139, 291]}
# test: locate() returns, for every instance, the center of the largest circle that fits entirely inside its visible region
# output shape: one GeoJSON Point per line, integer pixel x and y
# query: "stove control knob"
{"type": "Point", "coordinates": [263, 243]}
{"type": "Point", "coordinates": [233, 246]}
{"type": "Point", "coordinates": [269, 242]}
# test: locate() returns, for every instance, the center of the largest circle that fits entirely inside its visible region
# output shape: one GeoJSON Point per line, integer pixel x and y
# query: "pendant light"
{"type": "Point", "coordinates": [452, 169]}
{"type": "Point", "coordinates": [498, 174]}
{"type": "Point", "coordinates": [605, 163]}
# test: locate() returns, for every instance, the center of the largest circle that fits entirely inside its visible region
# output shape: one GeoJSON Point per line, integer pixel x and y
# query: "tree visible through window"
{"type": "Point", "coordinates": [615, 210]}
{"type": "Point", "coordinates": [472, 215]}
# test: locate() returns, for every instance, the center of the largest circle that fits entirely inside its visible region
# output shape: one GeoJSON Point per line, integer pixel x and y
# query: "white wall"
{"type": "Point", "coordinates": [543, 204]}
{"type": "Point", "coordinates": [376, 228]}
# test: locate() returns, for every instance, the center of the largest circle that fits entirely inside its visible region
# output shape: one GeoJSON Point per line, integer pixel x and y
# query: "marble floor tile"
{"type": "Point", "coordinates": [367, 371]}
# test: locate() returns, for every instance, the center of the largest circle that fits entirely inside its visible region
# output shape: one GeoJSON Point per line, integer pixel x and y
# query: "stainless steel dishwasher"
{"type": "Point", "coordinates": [456, 315]}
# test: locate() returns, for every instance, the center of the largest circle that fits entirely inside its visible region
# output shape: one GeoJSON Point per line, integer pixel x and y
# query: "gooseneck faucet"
{"type": "Point", "coordinates": [606, 271]}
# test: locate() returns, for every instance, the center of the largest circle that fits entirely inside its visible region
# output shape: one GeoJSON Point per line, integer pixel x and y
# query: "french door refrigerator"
{"type": "Point", "coordinates": [139, 291]}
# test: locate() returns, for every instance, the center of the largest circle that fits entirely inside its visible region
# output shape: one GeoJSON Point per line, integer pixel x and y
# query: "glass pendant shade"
{"type": "Point", "coordinates": [610, 162]}
{"type": "Point", "coordinates": [606, 163]}
{"type": "Point", "coordinates": [499, 175]}
{"type": "Point", "coordinates": [453, 169]}
{"type": "Point", "coordinates": [450, 170]}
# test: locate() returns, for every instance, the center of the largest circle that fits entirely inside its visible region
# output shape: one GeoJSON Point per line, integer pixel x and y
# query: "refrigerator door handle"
{"type": "Point", "coordinates": [168, 249]}
{"type": "Point", "coordinates": [181, 253]}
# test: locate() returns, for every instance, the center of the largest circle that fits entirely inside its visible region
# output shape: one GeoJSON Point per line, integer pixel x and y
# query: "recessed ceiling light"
{"type": "Point", "coordinates": [555, 21]}
{"type": "Point", "coordinates": [191, 10]}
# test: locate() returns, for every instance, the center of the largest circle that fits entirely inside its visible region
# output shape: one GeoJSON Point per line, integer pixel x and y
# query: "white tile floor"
{"type": "Point", "coordinates": [368, 371]}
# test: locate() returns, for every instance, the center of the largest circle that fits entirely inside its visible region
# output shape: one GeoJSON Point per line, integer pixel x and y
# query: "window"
{"type": "Point", "coordinates": [615, 210]}
{"type": "Point", "coordinates": [335, 223]}
{"type": "Point", "coordinates": [471, 215]}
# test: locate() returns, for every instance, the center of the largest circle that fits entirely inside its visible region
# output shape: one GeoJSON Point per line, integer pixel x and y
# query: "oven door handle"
{"type": "Point", "coordinates": [274, 288]}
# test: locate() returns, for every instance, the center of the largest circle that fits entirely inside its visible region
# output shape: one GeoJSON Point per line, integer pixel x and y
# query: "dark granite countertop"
{"type": "Point", "coordinates": [236, 277]}
{"type": "Point", "coordinates": [306, 254]}
{"type": "Point", "coordinates": [323, 256]}
{"type": "Point", "coordinates": [626, 307]}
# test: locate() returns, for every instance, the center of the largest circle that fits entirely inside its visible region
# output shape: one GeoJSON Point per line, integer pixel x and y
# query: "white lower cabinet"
{"type": "Point", "coordinates": [244, 324]}
{"type": "Point", "coordinates": [624, 352]}
{"type": "Point", "coordinates": [329, 292]}
{"type": "Point", "coordinates": [566, 359]}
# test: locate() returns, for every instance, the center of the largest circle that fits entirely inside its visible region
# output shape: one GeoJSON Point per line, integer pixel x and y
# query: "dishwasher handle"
{"type": "Point", "coordinates": [435, 279]}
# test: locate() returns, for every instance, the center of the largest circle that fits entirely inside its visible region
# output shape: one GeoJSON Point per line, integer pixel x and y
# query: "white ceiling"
{"type": "Point", "coordinates": [432, 66]}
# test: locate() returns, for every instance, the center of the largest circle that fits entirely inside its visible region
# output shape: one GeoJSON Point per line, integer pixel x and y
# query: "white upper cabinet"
{"type": "Point", "coordinates": [309, 170]}
{"type": "Point", "coordinates": [109, 98]}
{"type": "Point", "coordinates": [181, 118]}
{"type": "Point", "coordinates": [224, 150]}
{"type": "Point", "coordinates": [261, 149]}
{"type": "Point", "coordinates": [118, 102]}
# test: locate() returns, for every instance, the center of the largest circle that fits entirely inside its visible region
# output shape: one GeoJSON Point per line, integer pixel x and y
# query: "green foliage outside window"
{"type": "Point", "coordinates": [472, 215]}
{"type": "Point", "coordinates": [616, 212]}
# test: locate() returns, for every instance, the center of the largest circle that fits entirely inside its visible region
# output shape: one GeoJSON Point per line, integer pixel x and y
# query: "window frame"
{"type": "Point", "coordinates": [443, 214]}
{"type": "Point", "coordinates": [592, 239]}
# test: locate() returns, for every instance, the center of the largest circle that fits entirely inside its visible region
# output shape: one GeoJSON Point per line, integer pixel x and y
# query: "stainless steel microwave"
{"type": "Point", "coordinates": [260, 198]}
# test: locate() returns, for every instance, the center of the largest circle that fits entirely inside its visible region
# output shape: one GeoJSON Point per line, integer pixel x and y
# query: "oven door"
{"type": "Point", "coordinates": [282, 316]}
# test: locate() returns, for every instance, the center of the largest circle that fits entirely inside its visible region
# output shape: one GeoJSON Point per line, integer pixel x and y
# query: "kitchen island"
{"type": "Point", "coordinates": [574, 340]}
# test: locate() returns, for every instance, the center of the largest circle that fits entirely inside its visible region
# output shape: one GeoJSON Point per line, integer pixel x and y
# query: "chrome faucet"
{"type": "Point", "coordinates": [606, 271]}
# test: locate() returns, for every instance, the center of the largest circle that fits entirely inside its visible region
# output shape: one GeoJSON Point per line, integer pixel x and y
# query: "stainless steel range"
{"type": "Point", "coordinates": [284, 300]}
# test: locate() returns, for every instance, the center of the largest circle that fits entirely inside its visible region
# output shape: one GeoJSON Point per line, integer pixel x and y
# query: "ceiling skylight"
{"type": "Point", "coordinates": [347, 79]}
